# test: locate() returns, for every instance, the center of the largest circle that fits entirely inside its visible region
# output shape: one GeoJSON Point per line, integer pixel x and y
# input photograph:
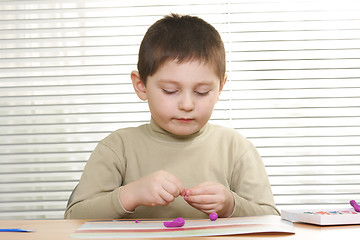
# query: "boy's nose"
{"type": "Point", "coordinates": [187, 103]}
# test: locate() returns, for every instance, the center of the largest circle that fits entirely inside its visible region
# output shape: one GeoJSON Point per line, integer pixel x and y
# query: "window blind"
{"type": "Point", "coordinates": [293, 90]}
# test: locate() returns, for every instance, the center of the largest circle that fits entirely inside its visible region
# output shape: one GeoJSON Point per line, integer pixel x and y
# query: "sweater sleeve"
{"type": "Point", "coordinates": [250, 185]}
{"type": "Point", "coordinates": [96, 195]}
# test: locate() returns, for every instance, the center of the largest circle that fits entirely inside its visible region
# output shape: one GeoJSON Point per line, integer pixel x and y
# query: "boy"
{"type": "Point", "coordinates": [178, 165]}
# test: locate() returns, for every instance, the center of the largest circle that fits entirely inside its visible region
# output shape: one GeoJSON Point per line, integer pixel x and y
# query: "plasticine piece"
{"type": "Point", "coordinates": [355, 205]}
{"type": "Point", "coordinates": [213, 216]}
{"type": "Point", "coordinates": [177, 222]}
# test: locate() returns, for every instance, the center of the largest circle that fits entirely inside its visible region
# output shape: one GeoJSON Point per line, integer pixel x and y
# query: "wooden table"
{"type": "Point", "coordinates": [62, 229]}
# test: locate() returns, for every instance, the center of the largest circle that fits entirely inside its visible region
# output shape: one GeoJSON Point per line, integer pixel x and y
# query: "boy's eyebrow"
{"type": "Point", "coordinates": [167, 80]}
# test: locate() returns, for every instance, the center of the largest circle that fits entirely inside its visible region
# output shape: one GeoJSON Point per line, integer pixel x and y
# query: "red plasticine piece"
{"type": "Point", "coordinates": [177, 222]}
{"type": "Point", "coordinates": [213, 216]}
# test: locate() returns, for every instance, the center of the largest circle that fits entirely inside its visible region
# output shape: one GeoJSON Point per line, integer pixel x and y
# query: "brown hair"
{"type": "Point", "coordinates": [182, 38]}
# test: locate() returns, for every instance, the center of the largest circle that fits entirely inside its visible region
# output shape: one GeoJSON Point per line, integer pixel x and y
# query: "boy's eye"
{"type": "Point", "coordinates": [202, 93]}
{"type": "Point", "coordinates": [167, 91]}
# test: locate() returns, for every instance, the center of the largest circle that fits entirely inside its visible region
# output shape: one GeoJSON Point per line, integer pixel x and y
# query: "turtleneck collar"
{"type": "Point", "coordinates": [161, 134]}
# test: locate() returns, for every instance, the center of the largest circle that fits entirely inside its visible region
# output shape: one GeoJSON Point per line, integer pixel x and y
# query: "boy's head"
{"type": "Point", "coordinates": [181, 73]}
{"type": "Point", "coordinates": [181, 38]}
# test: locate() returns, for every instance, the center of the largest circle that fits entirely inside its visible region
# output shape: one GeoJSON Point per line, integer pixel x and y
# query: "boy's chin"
{"type": "Point", "coordinates": [181, 128]}
{"type": "Point", "coordinates": [183, 131]}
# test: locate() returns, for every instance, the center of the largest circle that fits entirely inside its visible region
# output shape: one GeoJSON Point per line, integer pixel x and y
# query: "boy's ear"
{"type": "Point", "coordinates": [223, 83]}
{"type": "Point", "coordinates": [222, 86]}
{"type": "Point", "coordinates": [138, 85]}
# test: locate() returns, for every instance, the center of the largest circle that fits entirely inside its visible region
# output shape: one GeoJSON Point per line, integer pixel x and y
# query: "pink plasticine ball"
{"type": "Point", "coordinates": [213, 216]}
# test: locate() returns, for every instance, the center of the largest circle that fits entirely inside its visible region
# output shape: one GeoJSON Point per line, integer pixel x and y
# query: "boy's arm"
{"type": "Point", "coordinates": [251, 187]}
{"type": "Point", "coordinates": [96, 195]}
{"type": "Point", "coordinates": [245, 207]}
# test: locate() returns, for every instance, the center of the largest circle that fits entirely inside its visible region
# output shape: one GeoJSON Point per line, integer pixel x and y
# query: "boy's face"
{"type": "Point", "coordinates": [181, 96]}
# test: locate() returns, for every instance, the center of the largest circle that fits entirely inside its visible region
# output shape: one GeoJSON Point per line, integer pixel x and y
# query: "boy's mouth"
{"type": "Point", "coordinates": [184, 120]}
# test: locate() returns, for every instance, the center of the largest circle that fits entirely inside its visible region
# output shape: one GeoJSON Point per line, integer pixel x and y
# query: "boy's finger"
{"type": "Point", "coordinates": [180, 186]}
{"type": "Point", "coordinates": [206, 190]}
{"type": "Point", "coordinates": [174, 180]}
{"type": "Point", "coordinates": [201, 199]}
{"type": "Point", "coordinates": [171, 188]}
{"type": "Point", "coordinates": [204, 208]}
{"type": "Point", "coordinates": [166, 198]}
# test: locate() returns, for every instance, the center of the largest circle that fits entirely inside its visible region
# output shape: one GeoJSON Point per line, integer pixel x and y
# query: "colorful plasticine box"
{"type": "Point", "coordinates": [344, 216]}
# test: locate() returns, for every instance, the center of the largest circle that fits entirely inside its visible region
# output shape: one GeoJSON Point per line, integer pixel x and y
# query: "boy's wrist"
{"type": "Point", "coordinates": [229, 212]}
{"type": "Point", "coordinates": [126, 200]}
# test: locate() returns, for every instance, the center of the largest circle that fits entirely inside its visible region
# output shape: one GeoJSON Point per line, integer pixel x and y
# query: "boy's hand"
{"type": "Point", "coordinates": [211, 197]}
{"type": "Point", "coordinates": [158, 188]}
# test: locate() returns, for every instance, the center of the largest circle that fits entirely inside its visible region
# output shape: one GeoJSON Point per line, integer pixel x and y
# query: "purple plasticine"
{"type": "Point", "coordinates": [213, 216]}
{"type": "Point", "coordinates": [177, 222]}
{"type": "Point", "coordinates": [355, 205]}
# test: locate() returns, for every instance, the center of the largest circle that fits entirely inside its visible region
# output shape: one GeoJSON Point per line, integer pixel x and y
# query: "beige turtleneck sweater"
{"type": "Point", "coordinates": [215, 153]}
